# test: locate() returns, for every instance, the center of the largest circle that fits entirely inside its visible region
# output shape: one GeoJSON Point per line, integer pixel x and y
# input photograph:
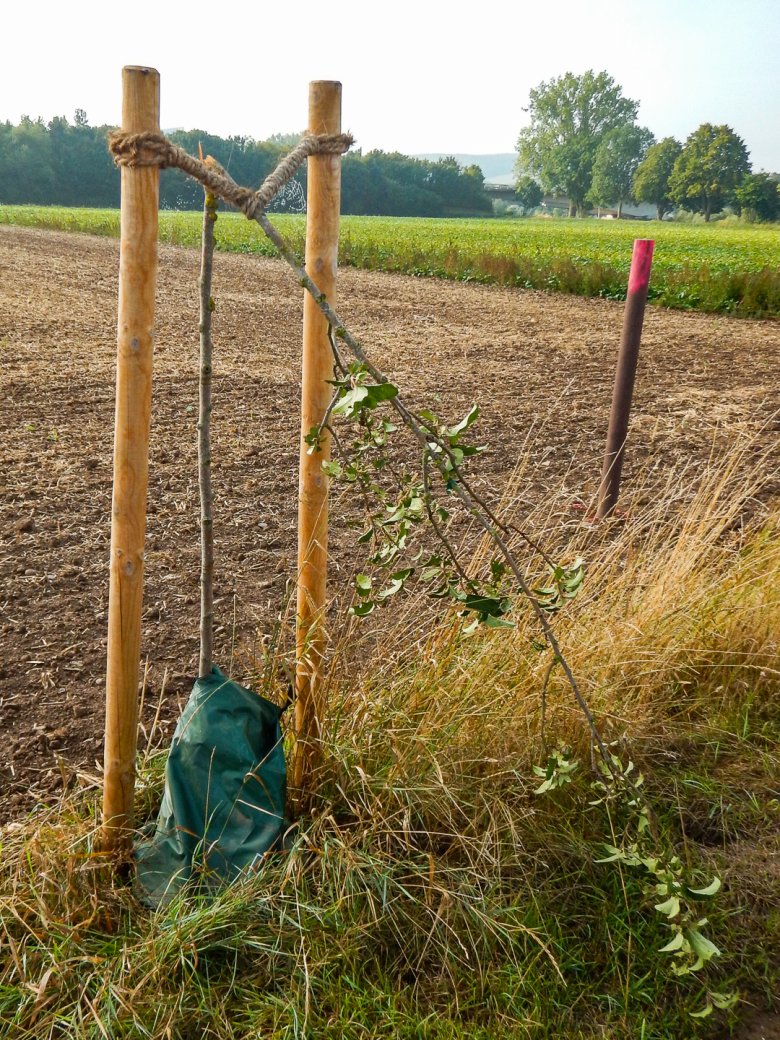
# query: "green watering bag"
{"type": "Point", "coordinates": [225, 792]}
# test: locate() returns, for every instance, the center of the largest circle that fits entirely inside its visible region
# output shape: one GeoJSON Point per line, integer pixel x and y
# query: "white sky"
{"type": "Point", "coordinates": [417, 76]}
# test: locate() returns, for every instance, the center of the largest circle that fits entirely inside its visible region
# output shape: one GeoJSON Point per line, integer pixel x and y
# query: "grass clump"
{"type": "Point", "coordinates": [432, 892]}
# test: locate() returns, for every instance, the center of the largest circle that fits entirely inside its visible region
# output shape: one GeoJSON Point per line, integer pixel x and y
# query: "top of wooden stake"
{"type": "Point", "coordinates": [140, 99]}
{"type": "Point", "coordinates": [324, 106]}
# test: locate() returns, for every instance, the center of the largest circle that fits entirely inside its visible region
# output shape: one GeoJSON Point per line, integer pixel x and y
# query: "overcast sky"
{"type": "Point", "coordinates": [418, 76]}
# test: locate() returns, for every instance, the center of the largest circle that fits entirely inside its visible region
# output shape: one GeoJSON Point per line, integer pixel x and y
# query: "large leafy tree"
{"type": "Point", "coordinates": [617, 158]}
{"type": "Point", "coordinates": [758, 196]}
{"type": "Point", "coordinates": [708, 170]}
{"type": "Point", "coordinates": [460, 189]}
{"type": "Point", "coordinates": [529, 193]}
{"type": "Point", "coordinates": [651, 181]}
{"type": "Point", "coordinates": [569, 117]}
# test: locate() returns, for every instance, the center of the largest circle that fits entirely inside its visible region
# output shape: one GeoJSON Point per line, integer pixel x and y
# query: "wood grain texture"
{"type": "Point", "coordinates": [322, 236]}
{"type": "Point", "coordinates": [137, 284]}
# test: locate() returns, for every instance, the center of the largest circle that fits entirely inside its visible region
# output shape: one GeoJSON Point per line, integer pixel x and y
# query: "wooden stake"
{"type": "Point", "coordinates": [322, 236]}
{"type": "Point", "coordinates": [137, 283]}
{"type": "Point", "coordinates": [628, 356]}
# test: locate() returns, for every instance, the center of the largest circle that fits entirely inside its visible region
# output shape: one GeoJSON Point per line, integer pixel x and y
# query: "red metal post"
{"type": "Point", "coordinates": [628, 356]}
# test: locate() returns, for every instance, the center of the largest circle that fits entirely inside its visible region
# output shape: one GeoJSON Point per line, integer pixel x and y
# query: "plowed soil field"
{"type": "Point", "coordinates": [539, 366]}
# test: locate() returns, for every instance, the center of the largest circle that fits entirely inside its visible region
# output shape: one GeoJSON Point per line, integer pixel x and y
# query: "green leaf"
{"type": "Point", "coordinates": [362, 396]}
{"type": "Point", "coordinates": [350, 403]}
{"type": "Point", "coordinates": [701, 945]}
{"type": "Point", "coordinates": [472, 449]}
{"type": "Point", "coordinates": [670, 907]}
{"type": "Point", "coordinates": [396, 583]}
{"type": "Point", "coordinates": [362, 609]}
{"type": "Point", "coordinates": [363, 584]}
{"type": "Point", "coordinates": [381, 392]}
{"type": "Point", "coordinates": [453, 431]}
{"type": "Point", "coordinates": [313, 438]}
{"type": "Point", "coordinates": [676, 943]}
{"type": "Point", "coordinates": [724, 1001]}
{"type": "Point", "coordinates": [613, 854]}
{"type": "Point", "coordinates": [403, 574]}
{"type": "Point", "coordinates": [489, 605]}
{"type": "Point", "coordinates": [710, 890]}
{"type": "Point", "coordinates": [495, 622]}
{"type": "Point", "coordinates": [390, 590]}
{"type": "Point", "coordinates": [705, 1011]}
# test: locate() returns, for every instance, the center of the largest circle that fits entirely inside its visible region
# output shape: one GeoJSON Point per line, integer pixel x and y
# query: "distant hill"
{"type": "Point", "coordinates": [497, 168]}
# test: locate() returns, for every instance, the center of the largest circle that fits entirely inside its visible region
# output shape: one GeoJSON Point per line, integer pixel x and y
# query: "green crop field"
{"type": "Point", "coordinates": [720, 268]}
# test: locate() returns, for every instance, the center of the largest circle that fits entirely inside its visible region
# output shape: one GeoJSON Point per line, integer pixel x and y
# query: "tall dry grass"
{"type": "Point", "coordinates": [431, 893]}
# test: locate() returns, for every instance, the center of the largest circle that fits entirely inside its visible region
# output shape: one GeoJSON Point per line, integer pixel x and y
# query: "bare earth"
{"type": "Point", "coordinates": [534, 363]}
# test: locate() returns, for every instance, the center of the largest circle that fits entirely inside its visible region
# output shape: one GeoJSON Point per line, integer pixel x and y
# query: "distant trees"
{"type": "Point", "coordinates": [583, 142]}
{"type": "Point", "coordinates": [710, 167]}
{"type": "Point", "coordinates": [25, 161]}
{"type": "Point", "coordinates": [570, 116]}
{"type": "Point", "coordinates": [393, 184]}
{"type": "Point", "coordinates": [56, 162]}
{"type": "Point", "coordinates": [529, 193]}
{"type": "Point", "coordinates": [651, 180]}
{"type": "Point", "coordinates": [248, 161]}
{"type": "Point", "coordinates": [758, 197]}
{"type": "Point", "coordinates": [64, 163]}
{"type": "Point", "coordinates": [617, 157]}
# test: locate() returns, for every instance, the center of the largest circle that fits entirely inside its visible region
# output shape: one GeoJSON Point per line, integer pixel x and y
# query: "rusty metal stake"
{"type": "Point", "coordinates": [628, 356]}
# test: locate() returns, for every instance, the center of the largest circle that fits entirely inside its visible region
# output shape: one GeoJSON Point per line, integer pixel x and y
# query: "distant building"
{"type": "Point", "coordinates": [643, 211]}
{"type": "Point", "coordinates": [555, 203]}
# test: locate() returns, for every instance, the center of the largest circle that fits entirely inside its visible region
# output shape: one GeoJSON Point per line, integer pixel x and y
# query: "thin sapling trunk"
{"type": "Point", "coordinates": [204, 441]}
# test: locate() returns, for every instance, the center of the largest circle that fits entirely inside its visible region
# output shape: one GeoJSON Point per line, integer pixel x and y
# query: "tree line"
{"type": "Point", "coordinates": [67, 163]}
{"type": "Point", "coordinates": [583, 142]}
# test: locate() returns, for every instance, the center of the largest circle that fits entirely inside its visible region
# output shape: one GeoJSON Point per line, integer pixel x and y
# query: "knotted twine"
{"type": "Point", "coordinates": [152, 149]}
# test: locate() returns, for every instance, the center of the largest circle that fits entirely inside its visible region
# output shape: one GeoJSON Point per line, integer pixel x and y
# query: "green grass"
{"type": "Point", "coordinates": [433, 894]}
{"type": "Point", "coordinates": [718, 268]}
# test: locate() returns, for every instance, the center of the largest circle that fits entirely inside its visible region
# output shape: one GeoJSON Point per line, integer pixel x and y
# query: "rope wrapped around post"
{"type": "Point", "coordinates": [150, 149]}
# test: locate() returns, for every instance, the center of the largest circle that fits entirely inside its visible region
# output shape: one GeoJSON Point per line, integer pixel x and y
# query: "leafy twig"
{"type": "Point", "coordinates": [422, 435]}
